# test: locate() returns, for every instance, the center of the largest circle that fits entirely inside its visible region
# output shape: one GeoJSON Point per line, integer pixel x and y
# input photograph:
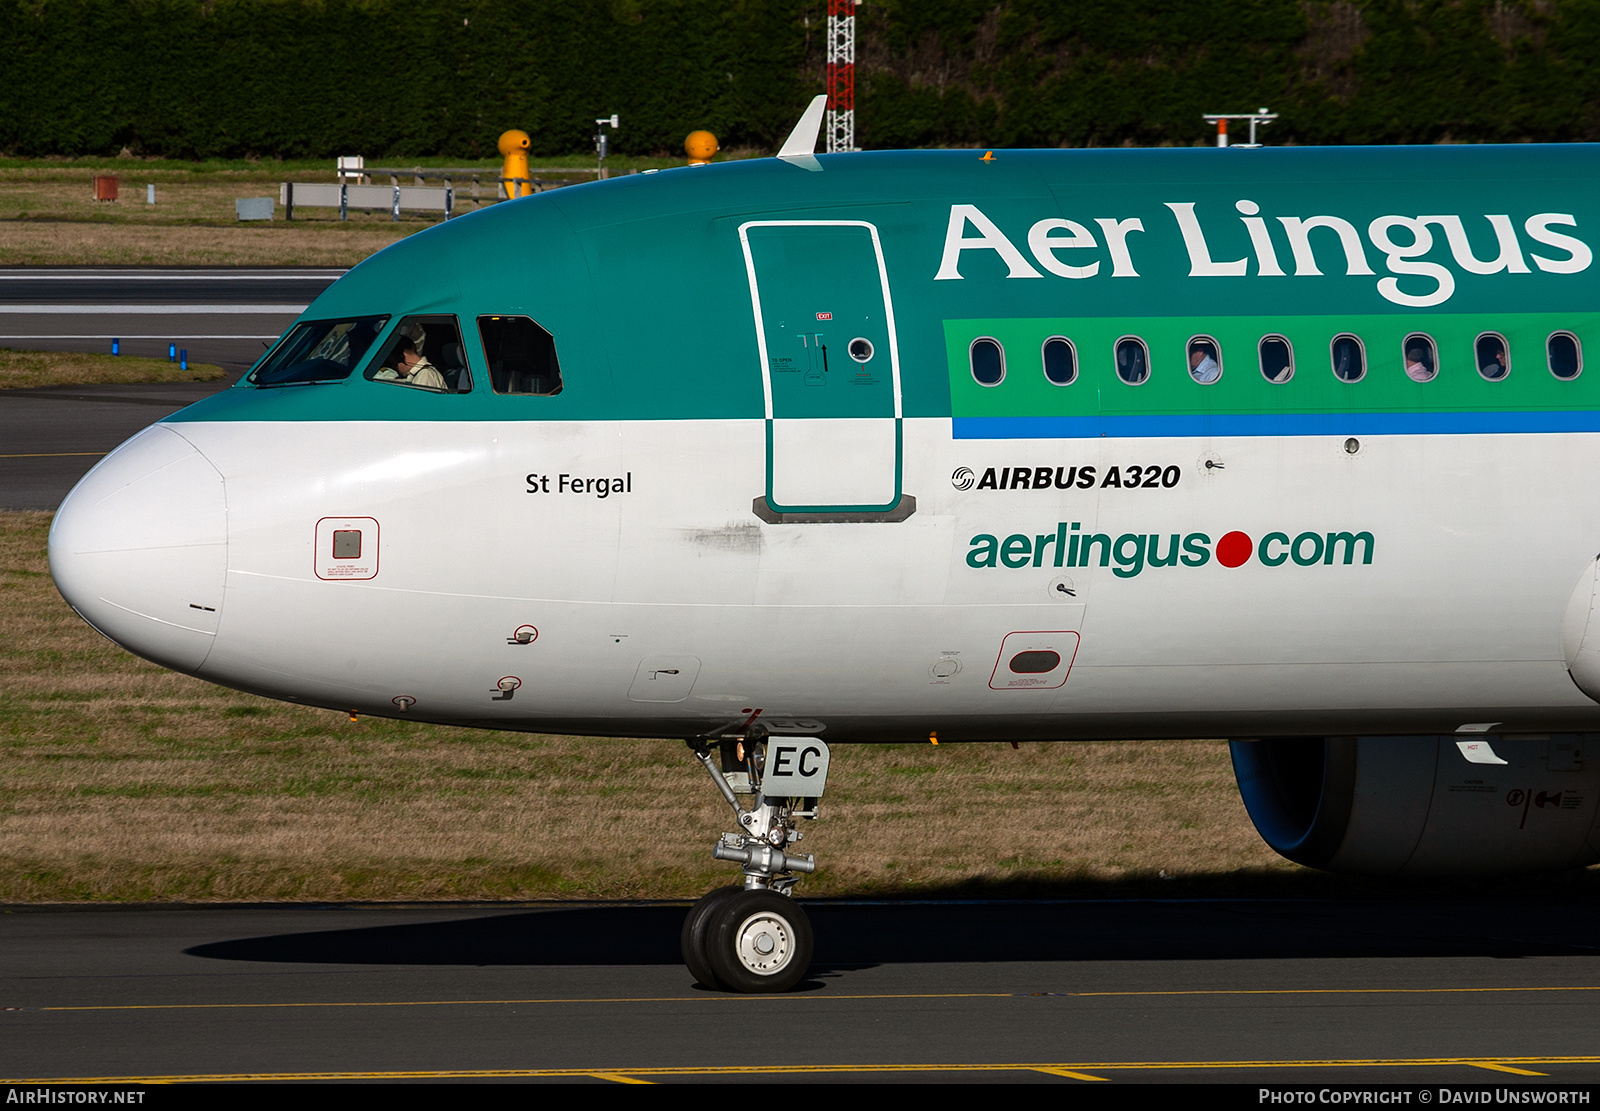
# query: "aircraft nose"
{"type": "Point", "coordinates": [140, 549]}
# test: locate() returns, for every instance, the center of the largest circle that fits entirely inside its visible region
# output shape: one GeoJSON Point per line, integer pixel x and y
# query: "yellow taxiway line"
{"type": "Point", "coordinates": [710, 997]}
{"type": "Point", "coordinates": [1079, 1070]}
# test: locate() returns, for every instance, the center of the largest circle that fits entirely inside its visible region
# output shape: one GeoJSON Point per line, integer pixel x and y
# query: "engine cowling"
{"type": "Point", "coordinates": [1383, 806]}
{"type": "Point", "coordinates": [1580, 632]}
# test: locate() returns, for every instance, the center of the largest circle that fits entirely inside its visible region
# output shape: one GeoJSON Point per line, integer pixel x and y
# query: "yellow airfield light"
{"type": "Point", "coordinates": [700, 146]}
{"type": "Point", "coordinates": [514, 146]}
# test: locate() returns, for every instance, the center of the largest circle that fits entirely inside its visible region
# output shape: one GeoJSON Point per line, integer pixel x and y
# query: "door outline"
{"type": "Point", "coordinates": [766, 367]}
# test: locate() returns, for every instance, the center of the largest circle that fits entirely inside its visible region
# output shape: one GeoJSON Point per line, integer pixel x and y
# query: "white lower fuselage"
{"type": "Point", "coordinates": [670, 608]}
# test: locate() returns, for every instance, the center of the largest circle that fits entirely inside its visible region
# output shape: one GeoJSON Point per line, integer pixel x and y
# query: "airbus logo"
{"type": "Point", "coordinates": [1150, 476]}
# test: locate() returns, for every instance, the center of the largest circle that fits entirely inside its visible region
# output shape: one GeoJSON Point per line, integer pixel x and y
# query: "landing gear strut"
{"type": "Point", "coordinates": [754, 937]}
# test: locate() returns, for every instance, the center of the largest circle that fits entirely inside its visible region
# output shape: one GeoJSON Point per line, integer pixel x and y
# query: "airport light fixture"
{"type": "Point", "coordinates": [601, 141]}
{"type": "Point", "coordinates": [1260, 116]}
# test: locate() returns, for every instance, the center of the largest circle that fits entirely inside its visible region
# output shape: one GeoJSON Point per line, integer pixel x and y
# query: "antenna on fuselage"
{"type": "Point", "coordinates": [800, 148]}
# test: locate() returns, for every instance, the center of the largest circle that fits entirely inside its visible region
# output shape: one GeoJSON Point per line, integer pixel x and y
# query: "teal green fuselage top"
{"type": "Point", "coordinates": [646, 285]}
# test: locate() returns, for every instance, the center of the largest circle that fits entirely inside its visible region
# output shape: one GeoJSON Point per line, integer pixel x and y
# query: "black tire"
{"type": "Point", "coordinates": [741, 933]}
{"type": "Point", "coordinates": [696, 929]}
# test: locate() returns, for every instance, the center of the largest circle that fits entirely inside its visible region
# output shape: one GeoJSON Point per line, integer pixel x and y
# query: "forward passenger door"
{"type": "Point", "coordinates": [830, 364]}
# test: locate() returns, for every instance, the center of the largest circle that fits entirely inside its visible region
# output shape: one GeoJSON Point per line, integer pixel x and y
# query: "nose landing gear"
{"type": "Point", "coordinates": [755, 937]}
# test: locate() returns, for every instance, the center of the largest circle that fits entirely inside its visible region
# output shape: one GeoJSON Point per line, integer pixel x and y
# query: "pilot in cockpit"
{"type": "Point", "coordinates": [411, 367]}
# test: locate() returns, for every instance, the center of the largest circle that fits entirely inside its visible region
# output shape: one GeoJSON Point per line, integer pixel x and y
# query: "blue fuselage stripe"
{"type": "Point", "coordinates": [1273, 424]}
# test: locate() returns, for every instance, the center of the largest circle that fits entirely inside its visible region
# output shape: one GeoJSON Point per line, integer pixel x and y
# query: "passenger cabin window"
{"type": "Point", "coordinates": [1494, 356]}
{"type": "Point", "coordinates": [1060, 361]}
{"type": "Point", "coordinates": [1349, 358]}
{"type": "Point", "coordinates": [1205, 359]}
{"type": "Point", "coordinates": [1566, 357]}
{"type": "Point", "coordinates": [522, 356]}
{"type": "Point", "coordinates": [1133, 360]}
{"type": "Point", "coordinates": [318, 351]}
{"type": "Point", "coordinates": [1277, 359]}
{"type": "Point", "coordinates": [424, 353]}
{"type": "Point", "coordinates": [988, 361]}
{"type": "Point", "coordinates": [1421, 357]}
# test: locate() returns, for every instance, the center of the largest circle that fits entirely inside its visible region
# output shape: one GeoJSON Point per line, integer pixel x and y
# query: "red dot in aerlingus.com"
{"type": "Point", "coordinates": [1234, 549]}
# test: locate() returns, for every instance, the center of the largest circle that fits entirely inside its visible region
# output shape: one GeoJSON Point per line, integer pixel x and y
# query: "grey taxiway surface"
{"type": "Point", "coordinates": [50, 437]}
{"type": "Point", "coordinates": [1273, 991]}
{"type": "Point", "coordinates": [1259, 991]}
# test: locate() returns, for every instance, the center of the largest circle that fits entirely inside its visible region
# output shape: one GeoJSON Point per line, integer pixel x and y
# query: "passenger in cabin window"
{"type": "Point", "coordinates": [1131, 366]}
{"type": "Point", "coordinates": [1417, 368]}
{"type": "Point", "coordinates": [1348, 363]}
{"type": "Point", "coordinates": [1277, 360]}
{"type": "Point", "coordinates": [411, 367]}
{"type": "Point", "coordinates": [1492, 356]}
{"type": "Point", "coordinates": [1203, 363]}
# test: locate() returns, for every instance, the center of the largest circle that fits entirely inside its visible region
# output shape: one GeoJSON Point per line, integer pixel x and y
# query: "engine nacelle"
{"type": "Point", "coordinates": [1580, 632]}
{"type": "Point", "coordinates": [1383, 806]}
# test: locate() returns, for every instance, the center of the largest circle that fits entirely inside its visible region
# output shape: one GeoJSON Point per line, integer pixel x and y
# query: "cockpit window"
{"type": "Point", "coordinates": [522, 356]}
{"type": "Point", "coordinates": [319, 351]}
{"type": "Point", "coordinates": [424, 353]}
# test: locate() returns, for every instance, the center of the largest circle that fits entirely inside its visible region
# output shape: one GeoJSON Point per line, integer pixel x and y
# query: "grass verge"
{"type": "Point", "coordinates": [31, 369]}
{"type": "Point", "coordinates": [42, 242]}
{"type": "Point", "coordinates": [48, 216]}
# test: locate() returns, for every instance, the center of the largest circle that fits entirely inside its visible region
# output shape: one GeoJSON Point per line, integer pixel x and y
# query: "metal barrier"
{"type": "Point", "coordinates": [394, 197]}
{"type": "Point", "coordinates": [548, 179]}
{"type": "Point", "coordinates": [345, 196]}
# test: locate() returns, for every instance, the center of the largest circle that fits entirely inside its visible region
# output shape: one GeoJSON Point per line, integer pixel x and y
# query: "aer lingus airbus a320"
{"type": "Point", "coordinates": [1292, 446]}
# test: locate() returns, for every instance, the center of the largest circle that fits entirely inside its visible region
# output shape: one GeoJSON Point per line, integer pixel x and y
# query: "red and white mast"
{"type": "Point", "coordinates": [842, 75]}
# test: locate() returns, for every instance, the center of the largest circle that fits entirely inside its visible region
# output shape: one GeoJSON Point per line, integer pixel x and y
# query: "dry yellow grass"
{"type": "Point", "coordinates": [27, 369]}
{"type": "Point", "coordinates": [44, 243]}
{"type": "Point", "coordinates": [181, 198]}
{"type": "Point", "coordinates": [119, 780]}
{"type": "Point", "coordinates": [49, 217]}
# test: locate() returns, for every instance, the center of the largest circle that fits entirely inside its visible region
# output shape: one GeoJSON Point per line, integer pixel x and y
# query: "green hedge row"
{"type": "Point", "coordinates": [1107, 72]}
{"type": "Point", "coordinates": [316, 78]}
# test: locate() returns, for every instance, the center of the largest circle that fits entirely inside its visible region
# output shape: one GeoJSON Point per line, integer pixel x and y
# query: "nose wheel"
{"type": "Point", "coordinates": [747, 941]}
